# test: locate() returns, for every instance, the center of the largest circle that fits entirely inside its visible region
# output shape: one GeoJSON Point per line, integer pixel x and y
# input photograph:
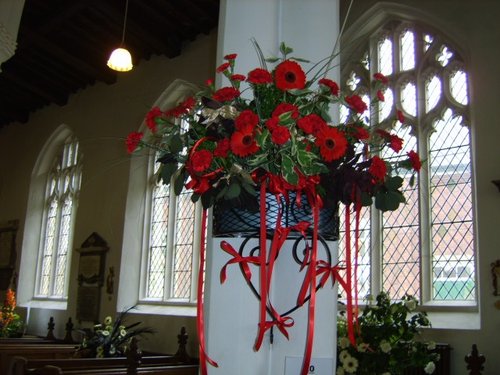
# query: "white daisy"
{"type": "Point", "coordinates": [429, 368]}
{"type": "Point", "coordinates": [108, 320]}
{"type": "Point", "coordinates": [385, 346]}
{"type": "Point", "coordinates": [343, 355]}
{"type": "Point", "coordinates": [351, 365]}
{"type": "Point", "coordinates": [344, 342]}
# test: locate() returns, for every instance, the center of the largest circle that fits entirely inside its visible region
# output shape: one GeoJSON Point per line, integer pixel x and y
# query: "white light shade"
{"type": "Point", "coordinates": [120, 60]}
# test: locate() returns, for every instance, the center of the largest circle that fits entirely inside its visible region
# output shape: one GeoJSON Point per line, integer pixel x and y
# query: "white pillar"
{"type": "Point", "coordinates": [231, 310]}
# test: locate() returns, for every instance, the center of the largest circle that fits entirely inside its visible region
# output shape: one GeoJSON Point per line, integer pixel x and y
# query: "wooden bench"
{"type": "Point", "coordinates": [153, 370]}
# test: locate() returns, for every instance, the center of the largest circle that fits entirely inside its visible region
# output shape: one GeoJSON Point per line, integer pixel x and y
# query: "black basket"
{"type": "Point", "coordinates": [240, 221]}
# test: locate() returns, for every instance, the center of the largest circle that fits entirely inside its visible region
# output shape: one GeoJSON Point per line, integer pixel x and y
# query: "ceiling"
{"type": "Point", "coordinates": [63, 45]}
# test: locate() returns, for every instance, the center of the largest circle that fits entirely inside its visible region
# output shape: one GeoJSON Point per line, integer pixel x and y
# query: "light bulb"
{"type": "Point", "coordinates": [120, 60]}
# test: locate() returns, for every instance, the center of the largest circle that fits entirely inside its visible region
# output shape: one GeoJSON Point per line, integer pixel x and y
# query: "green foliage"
{"type": "Point", "coordinates": [111, 339]}
{"type": "Point", "coordinates": [388, 340]}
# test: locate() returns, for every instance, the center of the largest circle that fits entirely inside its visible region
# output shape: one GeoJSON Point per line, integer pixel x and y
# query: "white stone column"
{"type": "Point", "coordinates": [232, 310]}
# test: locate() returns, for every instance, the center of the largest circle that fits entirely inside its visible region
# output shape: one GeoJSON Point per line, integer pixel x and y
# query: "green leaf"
{"type": "Point", "coordinates": [394, 183]}
{"type": "Point", "coordinates": [179, 178]}
{"type": "Point", "coordinates": [272, 59]}
{"type": "Point", "coordinates": [366, 199]}
{"type": "Point", "coordinates": [167, 171]}
{"type": "Point", "coordinates": [305, 158]}
{"type": "Point", "coordinates": [388, 201]}
{"type": "Point", "coordinates": [175, 144]}
{"type": "Point", "coordinates": [233, 191]}
{"type": "Point", "coordinates": [288, 171]}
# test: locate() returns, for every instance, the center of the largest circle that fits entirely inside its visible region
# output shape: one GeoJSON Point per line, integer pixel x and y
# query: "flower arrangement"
{"type": "Point", "coordinates": [387, 340]}
{"type": "Point", "coordinates": [111, 339]}
{"type": "Point", "coordinates": [282, 134]}
{"type": "Point", "coordinates": [270, 132]}
{"type": "Point", "coordinates": [11, 324]}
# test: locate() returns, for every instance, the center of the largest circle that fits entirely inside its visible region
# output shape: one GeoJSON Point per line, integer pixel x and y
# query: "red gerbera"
{"type": "Point", "coordinates": [414, 160]}
{"type": "Point", "coordinates": [201, 160]}
{"type": "Point", "coordinates": [243, 143]}
{"type": "Point", "coordinates": [378, 169]}
{"type": "Point", "coordinates": [334, 88]}
{"type": "Point", "coordinates": [311, 124]}
{"type": "Point", "coordinates": [259, 76]}
{"type": "Point", "coordinates": [133, 140]}
{"type": "Point", "coordinates": [331, 142]}
{"type": "Point", "coordinates": [246, 119]}
{"type": "Point", "coordinates": [356, 103]}
{"type": "Point", "coordinates": [226, 94]}
{"type": "Point", "coordinates": [289, 75]}
{"type": "Point", "coordinates": [280, 135]}
{"type": "Point", "coordinates": [286, 107]}
{"type": "Point", "coordinates": [151, 117]}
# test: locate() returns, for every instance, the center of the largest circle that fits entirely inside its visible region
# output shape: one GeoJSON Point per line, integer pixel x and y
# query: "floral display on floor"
{"type": "Point", "coordinates": [270, 131]}
{"type": "Point", "coordinates": [11, 324]}
{"type": "Point", "coordinates": [387, 341]}
{"type": "Point", "coordinates": [111, 338]}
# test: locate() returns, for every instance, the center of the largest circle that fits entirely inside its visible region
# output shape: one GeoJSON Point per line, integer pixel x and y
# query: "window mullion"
{"type": "Point", "coordinates": [55, 250]}
{"type": "Point", "coordinates": [170, 244]}
{"type": "Point", "coordinates": [195, 263]}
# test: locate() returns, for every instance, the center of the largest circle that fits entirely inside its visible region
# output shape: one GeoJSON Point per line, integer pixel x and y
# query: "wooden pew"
{"type": "Point", "coordinates": [155, 370]}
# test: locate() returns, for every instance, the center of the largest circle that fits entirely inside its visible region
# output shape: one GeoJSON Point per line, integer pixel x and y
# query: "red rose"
{"type": "Point", "coordinates": [199, 185]}
{"type": "Point", "coordinates": [246, 119]}
{"type": "Point", "coordinates": [223, 67]}
{"type": "Point", "coordinates": [280, 135]}
{"type": "Point", "coordinates": [395, 143]}
{"type": "Point", "coordinates": [226, 94]}
{"type": "Point", "coordinates": [380, 95]}
{"type": "Point", "coordinates": [380, 77]}
{"type": "Point", "coordinates": [182, 108]}
{"type": "Point", "coordinates": [378, 169]}
{"type": "Point", "coordinates": [222, 148]}
{"type": "Point", "coordinates": [231, 56]}
{"type": "Point", "coordinates": [286, 107]}
{"type": "Point", "coordinates": [356, 103]}
{"type": "Point", "coordinates": [151, 117]}
{"type": "Point", "coordinates": [331, 142]}
{"type": "Point", "coordinates": [334, 88]}
{"type": "Point", "coordinates": [201, 160]}
{"type": "Point", "coordinates": [133, 140]}
{"type": "Point", "coordinates": [259, 76]}
{"type": "Point", "coordinates": [289, 75]}
{"type": "Point", "coordinates": [361, 133]}
{"type": "Point", "coordinates": [414, 160]}
{"type": "Point", "coordinates": [311, 124]}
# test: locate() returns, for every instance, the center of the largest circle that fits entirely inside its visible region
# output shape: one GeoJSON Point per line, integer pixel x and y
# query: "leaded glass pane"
{"type": "Point", "coordinates": [444, 56]}
{"type": "Point", "coordinates": [407, 51]}
{"type": "Point", "coordinates": [385, 57]}
{"type": "Point", "coordinates": [458, 87]}
{"type": "Point", "coordinates": [385, 106]}
{"type": "Point", "coordinates": [432, 93]}
{"type": "Point", "coordinates": [409, 98]}
{"type": "Point", "coordinates": [451, 209]}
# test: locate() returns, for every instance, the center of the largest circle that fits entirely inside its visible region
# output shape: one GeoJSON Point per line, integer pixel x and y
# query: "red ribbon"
{"type": "Point", "coordinates": [237, 258]}
{"type": "Point", "coordinates": [312, 288]}
{"type": "Point", "coordinates": [200, 321]}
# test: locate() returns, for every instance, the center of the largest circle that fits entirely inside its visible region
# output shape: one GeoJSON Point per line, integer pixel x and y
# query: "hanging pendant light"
{"type": "Point", "coordinates": [120, 59]}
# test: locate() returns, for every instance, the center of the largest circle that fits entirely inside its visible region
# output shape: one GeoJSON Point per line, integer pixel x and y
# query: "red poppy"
{"type": "Point", "coordinates": [151, 117]}
{"type": "Point", "coordinates": [331, 142]}
{"type": "Point", "coordinates": [380, 77]}
{"type": "Point", "coordinates": [286, 107]}
{"type": "Point", "coordinates": [222, 67]}
{"type": "Point", "coordinates": [259, 76]}
{"type": "Point", "coordinates": [226, 94]}
{"type": "Point", "coordinates": [378, 169]}
{"type": "Point", "coordinates": [311, 124]}
{"type": "Point", "coordinates": [201, 160]}
{"type": "Point", "coordinates": [243, 143]}
{"type": "Point", "coordinates": [280, 135]}
{"type": "Point", "coordinates": [133, 140]}
{"type": "Point", "coordinates": [414, 160]}
{"type": "Point", "coordinates": [334, 88]}
{"type": "Point", "coordinates": [246, 119]}
{"type": "Point", "coordinates": [222, 148]}
{"type": "Point", "coordinates": [356, 103]}
{"type": "Point", "coordinates": [289, 75]}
